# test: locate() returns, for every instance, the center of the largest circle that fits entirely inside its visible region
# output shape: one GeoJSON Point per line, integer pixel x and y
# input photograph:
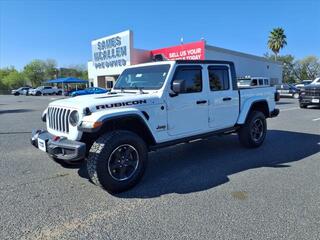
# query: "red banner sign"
{"type": "Point", "coordinates": [189, 51]}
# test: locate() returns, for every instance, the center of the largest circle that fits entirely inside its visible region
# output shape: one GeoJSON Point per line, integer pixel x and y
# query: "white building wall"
{"type": "Point", "coordinates": [246, 64]}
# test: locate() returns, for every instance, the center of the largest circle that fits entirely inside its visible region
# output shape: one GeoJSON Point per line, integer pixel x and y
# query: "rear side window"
{"type": "Point", "coordinates": [47, 87]}
{"type": "Point", "coordinates": [218, 78]}
{"type": "Point", "coordinates": [260, 81]}
{"type": "Point", "coordinates": [192, 77]}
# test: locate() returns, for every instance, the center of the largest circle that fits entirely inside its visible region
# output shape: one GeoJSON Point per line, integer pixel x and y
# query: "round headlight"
{"type": "Point", "coordinates": [74, 118]}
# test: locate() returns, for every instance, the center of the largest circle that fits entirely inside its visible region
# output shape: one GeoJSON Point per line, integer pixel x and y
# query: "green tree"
{"type": "Point", "coordinates": [307, 68]}
{"type": "Point", "coordinates": [277, 40]}
{"type": "Point", "coordinates": [35, 71]}
{"type": "Point", "coordinates": [15, 79]}
{"type": "Point", "coordinates": [4, 72]}
{"type": "Point", "coordinates": [288, 66]}
{"type": "Point", "coordinates": [51, 70]}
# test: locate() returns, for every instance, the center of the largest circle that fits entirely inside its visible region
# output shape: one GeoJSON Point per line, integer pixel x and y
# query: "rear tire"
{"type": "Point", "coordinates": [117, 160]}
{"type": "Point", "coordinates": [253, 132]}
{"type": "Point", "coordinates": [38, 93]}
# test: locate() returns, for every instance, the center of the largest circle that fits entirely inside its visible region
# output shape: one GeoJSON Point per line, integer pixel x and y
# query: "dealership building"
{"type": "Point", "coordinates": [112, 54]}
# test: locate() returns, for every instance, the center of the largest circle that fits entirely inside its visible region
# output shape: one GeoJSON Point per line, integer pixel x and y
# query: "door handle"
{"type": "Point", "coordinates": [201, 101]}
{"type": "Point", "coordinates": [226, 99]}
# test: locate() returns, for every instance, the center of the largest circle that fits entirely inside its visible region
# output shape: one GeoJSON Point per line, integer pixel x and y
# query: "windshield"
{"type": "Point", "coordinates": [149, 77]}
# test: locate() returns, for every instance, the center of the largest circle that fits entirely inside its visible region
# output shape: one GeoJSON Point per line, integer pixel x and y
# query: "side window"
{"type": "Point", "coordinates": [254, 82]}
{"type": "Point", "coordinates": [218, 78]}
{"type": "Point", "coordinates": [266, 81]}
{"type": "Point", "coordinates": [47, 87]}
{"type": "Point", "coordinates": [109, 84]}
{"type": "Point", "coordinates": [192, 77]}
{"type": "Point", "coordinates": [260, 81]}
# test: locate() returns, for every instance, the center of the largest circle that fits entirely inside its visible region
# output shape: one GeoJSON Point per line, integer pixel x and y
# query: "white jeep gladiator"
{"type": "Point", "coordinates": [151, 106]}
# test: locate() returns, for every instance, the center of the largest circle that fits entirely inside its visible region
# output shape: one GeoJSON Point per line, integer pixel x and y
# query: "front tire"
{"type": "Point", "coordinates": [253, 132]}
{"type": "Point", "coordinates": [117, 160]}
{"type": "Point", "coordinates": [303, 105]}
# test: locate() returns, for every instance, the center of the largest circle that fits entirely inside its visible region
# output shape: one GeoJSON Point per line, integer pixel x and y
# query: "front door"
{"type": "Point", "coordinates": [223, 100]}
{"type": "Point", "coordinates": [188, 112]}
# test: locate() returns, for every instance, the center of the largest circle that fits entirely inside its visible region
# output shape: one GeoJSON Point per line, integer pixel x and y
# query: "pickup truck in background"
{"type": "Point", "coordinates": [287, 90]}
{"type": "Point", "coordinates": [310, 95]}
{"type": "Point", "coordinates": [253, 82]}
{"type": "Point", "coordinates": [45, 90]}
{"type": "Point", "coordinates": [151, 106]}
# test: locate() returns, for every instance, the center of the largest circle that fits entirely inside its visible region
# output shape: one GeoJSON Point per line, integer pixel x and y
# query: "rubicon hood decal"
{"type": "Point", "coordinates": [121, 104]}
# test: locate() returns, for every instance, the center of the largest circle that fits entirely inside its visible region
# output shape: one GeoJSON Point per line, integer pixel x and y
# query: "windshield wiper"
{"type": "Point", "coordinates": [139, 88]}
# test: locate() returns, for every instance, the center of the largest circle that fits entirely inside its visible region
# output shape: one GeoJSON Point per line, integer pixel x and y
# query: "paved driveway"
{"type": "Point", "coordinates": [212, 189]}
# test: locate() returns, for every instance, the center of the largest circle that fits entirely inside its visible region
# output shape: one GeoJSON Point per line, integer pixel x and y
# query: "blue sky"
{"type": "Point", "coordinates": [63, 30]}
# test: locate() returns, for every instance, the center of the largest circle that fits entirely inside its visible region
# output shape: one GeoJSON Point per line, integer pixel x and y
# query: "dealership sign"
{"type": "Point", "coordinates": [112, 51]}
{"type": "Point", "coordinates": [189, 51]}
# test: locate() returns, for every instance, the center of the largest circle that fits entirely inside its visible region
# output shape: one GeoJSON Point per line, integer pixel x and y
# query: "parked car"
{"type": "Point", "coordinates": [253, 82]}
{"type": "Point", "coordinates": [90, 90]}
{"type": "Point", "coordinates": [303, 83]}
{"type": "Point", "coordinates": [310, 95]}
{"type": "Point", "coordinates": [68, 92]}
{"type": "Point", "coordinates": [20, 91]}
{"type": "Point", "coordinates": [45, 90]}
{"type": "Point", "coordinates": [151, 106]}
{"type": "Point", "coordinates": [287, 90]}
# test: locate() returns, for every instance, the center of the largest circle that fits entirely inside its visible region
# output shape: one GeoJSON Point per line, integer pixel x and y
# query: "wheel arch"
{"type": "Point", "coordinates": [260, 105]}
{"type": "Point", "coordinates": [135, 122]}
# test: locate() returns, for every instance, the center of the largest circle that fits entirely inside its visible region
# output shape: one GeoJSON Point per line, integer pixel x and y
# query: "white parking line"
{"type": "Point", "coordinates": [316, 119]}
{"type": "Point", "coordinates": [288, 109]}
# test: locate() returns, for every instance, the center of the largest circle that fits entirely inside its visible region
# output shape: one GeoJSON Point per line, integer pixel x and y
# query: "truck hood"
{"type": "Point", "coordinates": [97, 102]}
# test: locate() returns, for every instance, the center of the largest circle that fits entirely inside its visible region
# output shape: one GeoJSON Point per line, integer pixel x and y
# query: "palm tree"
{"type": "Point", "coordinates": [277, 40]}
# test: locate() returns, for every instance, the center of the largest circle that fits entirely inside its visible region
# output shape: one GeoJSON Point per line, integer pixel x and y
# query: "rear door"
{"type": "Point", "coordinates": [188, 112]}
{"type": "Point", "coordinates": [223, 100]}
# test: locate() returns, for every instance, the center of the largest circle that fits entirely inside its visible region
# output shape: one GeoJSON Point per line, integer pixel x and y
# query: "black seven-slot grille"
{"type": "Point", "coordinates": [59, 119]}
{"type": "Point", "coordinates": [312, 92]}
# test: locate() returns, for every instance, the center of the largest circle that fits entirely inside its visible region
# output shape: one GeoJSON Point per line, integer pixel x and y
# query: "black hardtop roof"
{"type": "Point", "coordinates": [204, 62]}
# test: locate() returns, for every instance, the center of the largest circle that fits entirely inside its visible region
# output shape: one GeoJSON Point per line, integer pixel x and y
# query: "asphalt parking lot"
{"type": "Point", "coordinates": [213, 189]}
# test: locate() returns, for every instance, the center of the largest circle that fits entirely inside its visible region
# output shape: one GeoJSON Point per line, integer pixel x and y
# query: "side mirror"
{"type": "Point", "coordinates": [178, 86]}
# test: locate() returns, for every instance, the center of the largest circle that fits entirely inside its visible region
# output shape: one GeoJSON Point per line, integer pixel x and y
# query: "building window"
{"type": "Point", "coordinates": [109, 84]}
{"type": "Point", "coordinates": [218, 78]}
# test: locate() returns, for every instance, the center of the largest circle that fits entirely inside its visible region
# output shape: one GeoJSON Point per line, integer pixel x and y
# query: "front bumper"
{"type": "Point", "coordinates": [60, 148]}
{"type": "Point", "coordinates": [309, 100]}
{"type": "Point", "coordinates": [274, 113]}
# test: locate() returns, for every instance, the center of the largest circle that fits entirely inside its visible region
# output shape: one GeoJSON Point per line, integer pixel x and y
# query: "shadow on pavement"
{"type": "Point", "coordinates": [15, 111]}
{"type": "Point", "coordinates": [283, 103]}
{"type": "Point", "coordinates": [206, 164]}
